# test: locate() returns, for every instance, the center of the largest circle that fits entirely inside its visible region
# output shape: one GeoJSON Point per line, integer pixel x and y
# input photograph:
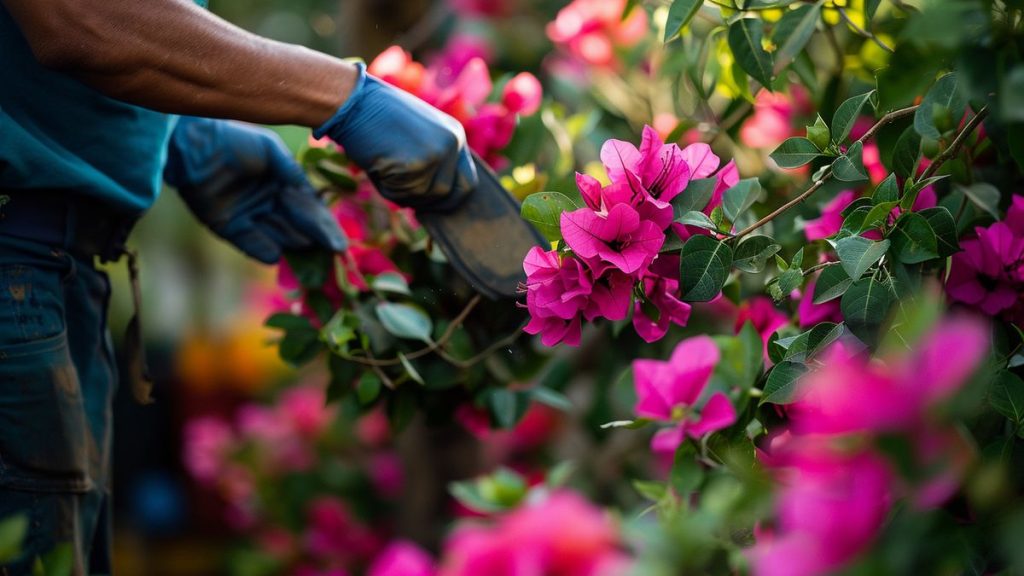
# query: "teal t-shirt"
{"type": "Point", "coordinates": [58, 133]}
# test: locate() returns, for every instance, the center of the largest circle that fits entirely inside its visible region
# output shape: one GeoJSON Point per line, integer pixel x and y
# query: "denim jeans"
{"type": "Point", "coordinates": [57, 379]}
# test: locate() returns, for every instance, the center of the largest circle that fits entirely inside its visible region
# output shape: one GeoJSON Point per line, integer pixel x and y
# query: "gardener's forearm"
{"type": "Point", "coordinates": [171, 56]}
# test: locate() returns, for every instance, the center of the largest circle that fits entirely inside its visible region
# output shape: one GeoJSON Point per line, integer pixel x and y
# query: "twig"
{"type": "Point", "coordinates": [432, 347]}
{"type": "Point", "coordinates": [954, 147]}
{"type": "Point", "coordinates": [865, 33]}
{"type": "Point", "coordinates": [890, 117]}
{"type": "Point", "coordinates": [817, 267]}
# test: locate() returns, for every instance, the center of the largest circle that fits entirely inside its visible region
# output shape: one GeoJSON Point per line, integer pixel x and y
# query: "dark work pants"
{"type": "Point", "coordinates": [57, 379]}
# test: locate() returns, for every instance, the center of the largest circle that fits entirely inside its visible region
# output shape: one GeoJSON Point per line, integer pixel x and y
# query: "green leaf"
{"type": "Point", "coordinates": [703, 268]}
{"type": "Point", "coordinates": [865, 306]}
{"type": "Point", "coordinates": [368, 388]}
{"type": "Point", "coordinates": [831, 284]}
{"type": "Point", "coordinates": [888, 190]}
{"type": "Point", "coordinates": [745, 37]}
{"type": "Point", "coordinates": [1012, 95]}
{"type": "Point", "coordinates": [552, 398]}
{"type": "Point", "coordinates": [781, 385]}
{"type": "Point", "coordinates": [698, 219]}
{"type": "Point", "coordinates": [984, 196]}
{"type": "Point", "coordinates": [13, 531]}
{"type": "Point", "coordinates": [846, 115]}
{"type": "Point", "coordinates": [912, 189]}
{"type": "Point", "coordinates": [679, 15]}
{"type": "Point", "coordinates": [795, 152]}
{"type": "Point", "coordinates": [789, 280]}
{"type": "Point", "coordinates": [507, 406]}
{"type": "Point", "coordinates": [285, 321]}
{"type": "Point", "coordinates": [853, 222]}
{"type": "Point", "coordinates": [559, 475]}
{"type": "Point", "coordinates": [850, 166]}
{"type": "Point", "coordinates": [544, 210]}
{"type": "Point", "coordinates": [805, 346]}
{"type": "Point", "coordinates": [944, 100]}
{"type": "Point", "coordinates": [877, 216]}
{"type": "Point", "coordinates": [60, 561]}
{"type": "Point", "coordinates": [753, 253]}
{"type": "Point", "coordinates": [405, 321]}
{"type": "Point", "coordinates": [736, 200]}
{"type": "Point", "coordinates": [695, 197]}
{"type": "Point", "coordinates": [391, 282]}
{"type": "Point", "coordinates": [340, 330]}
{"type": "Point", "coordinates": [411, 370]}
{"type": "Point", "coordinates": [310, 267]}
{"type": "Point", "coordinates": [913, 240]}
{"type": "Point", "coordinates": [944, 228]}
{"type": "Point", "coordinates": [857, 254]}
{"type": "Point", "coordinates": [687, 474]}
{"type": "Point", "coordinates": [298, 347]}
{"type": "Point", "coordinates": [791, 34]}
{"type": "Point", "coordinates": [1007, 396]}
{"type": "Point", "coordinates": [650, 490]}
{"type": "Point", "coordinates": [819, 134]}
{"type": "Point", "coordinates": [906, 153]}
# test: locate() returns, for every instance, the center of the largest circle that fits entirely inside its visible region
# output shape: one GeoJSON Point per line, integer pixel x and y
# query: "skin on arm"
{"type": "Point", "coordinates": [174, 57]}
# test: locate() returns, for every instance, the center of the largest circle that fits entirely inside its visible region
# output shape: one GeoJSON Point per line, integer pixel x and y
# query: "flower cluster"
{"type": "Point", "coordinates": [592, 30]}
{"type": "Point", "coordinates": [988, 274]}
{"type": "Point", "coordinates": [670, 392]}
{"type": "Point", "coordinates": [464, 93]}
{"type": "Point", "coordinates": [615, 243]}
{"type": "Point", "coordinates": [835, 488]}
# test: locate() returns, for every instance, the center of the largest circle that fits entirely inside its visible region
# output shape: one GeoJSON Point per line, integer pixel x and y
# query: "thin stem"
{"type": "Point", "coordinates": [865, 33]}
{"type": "Point", "coordinates": [890, 117]}
{"type": "Point", "coordinates": [954, 147]}
{"type": "Point", "coordinates": [817, 267]}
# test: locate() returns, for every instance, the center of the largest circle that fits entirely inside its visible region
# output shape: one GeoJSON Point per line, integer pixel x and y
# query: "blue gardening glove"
{"type": "Point", "coordinates": [415, 155]}
{"type": "Point", "coordinates": [242, 182]}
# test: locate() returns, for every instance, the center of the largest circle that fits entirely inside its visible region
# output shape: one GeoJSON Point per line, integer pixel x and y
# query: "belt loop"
{"type": "Point", "coordinates": [138, 372]}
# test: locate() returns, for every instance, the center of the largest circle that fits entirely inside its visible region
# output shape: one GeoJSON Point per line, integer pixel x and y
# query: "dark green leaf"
{"type": "Point", "coordinates": [850, 166]}
{"type": "Point", "coordinates": [368, 388]}
{"type": "Point", "coordinates": [744, 38]}
{"type": "Point", "coordinates": [944, 227]}
{"type": "Point", "coordinates": [736, 200]}
{"type": "Point", "coordinates": [1012, 95]}
{"type": "Point", "coordinates": [913, 239]}
{"type": "Point", "coordinates": [795, 152]}
{"type": "Point", "coordinates": [906, 153]}
{"type": "Point", "coordinates": [679, 15]}
{"type": "Point", "coordinates": [1007, 396]}
{"type": "Point", "coordinates": [695, 197]}
{"type": "Point", "coordinates": [984, 196]}
{"type": "Point", "coordinates": [791, 34]}
{"type": "Point", "coordinates": [12, 535]}
{"type": "Point", "coordinates": [703, 268]}
{"type": "Point", "coordinates": [405, 321]}
{"type": "Point", "coordinates": [854, 221]}
{"type": "Point", "coordinates": [944, 100]}
{"type": "Point", "coordinates": [781, 385]}
{"type": "Point", "coordinates": [790, 280]}
{"type": "Point", "coordinates": [310, 267]}
{"type": "Point", "coordinates": [912, 189]}
{"type": "Point", "coordinates": [857, 254]}
{"type": "Point", "coordinates": [343, 376]}
{"type": "Point", "coordinates": [877, 216]}
{"type": "Point", "coordinates": [831, 284]}
{"type": "Point", "coordinates": [288, 322]}
{"type": "Point", "coordinates": [888, 190]}
{"type": "Point", "coordinates": [865, 306]}
{"type": "Point", "coordinates": [298, 347]}
{"type": "Point", "coordinates": [544, 210]}
{"type": "Point", "coordinates": [60, 561]}
{"type": "Point", "coordinates": [846, 115]}
{"type": "Point", "coordinates": [698, 219]}
{"type": "Point", "coordinates": [507, 406]}
{"type": "Point", "coordinates": [687, 474]}
{"type": "Point", "coordinates": [753, 253]}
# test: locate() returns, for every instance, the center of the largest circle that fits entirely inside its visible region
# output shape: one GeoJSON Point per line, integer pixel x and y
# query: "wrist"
{"type": "Point", "coordinates": [351, 94]}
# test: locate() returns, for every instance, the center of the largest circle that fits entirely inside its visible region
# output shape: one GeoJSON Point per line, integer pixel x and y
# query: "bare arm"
{"type": "Point", "coordinates": [172, 56]}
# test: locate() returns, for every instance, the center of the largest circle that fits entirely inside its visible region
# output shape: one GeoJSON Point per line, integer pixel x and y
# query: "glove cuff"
{"type": "Point", "coordinates": [353, 100]}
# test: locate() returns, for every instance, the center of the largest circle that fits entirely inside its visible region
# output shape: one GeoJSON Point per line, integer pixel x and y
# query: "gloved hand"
{"type": "Point", "coordinates": [414, 154]}
{"type": "Point", "coordinates": [242, 182]}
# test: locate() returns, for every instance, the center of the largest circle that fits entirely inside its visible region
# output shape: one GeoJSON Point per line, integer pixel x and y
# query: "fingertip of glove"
{"type": "Point", "coordinates": [354, 96]}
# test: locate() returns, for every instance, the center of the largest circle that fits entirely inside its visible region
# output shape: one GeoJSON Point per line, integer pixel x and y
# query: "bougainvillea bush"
{"type": "Point", "coordinates": [777, 330]}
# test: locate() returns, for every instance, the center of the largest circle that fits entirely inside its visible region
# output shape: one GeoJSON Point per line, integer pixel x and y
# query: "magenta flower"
{"type": "Point", "coordinates": [660, 288]}
{"type": "Point", "coordinates": [402, 558]}
{"type": "Point", "coordinates": [334, 533]}
{"type": "Point", "coordinates": [619, 238]}
{"type": "Point", "coordinates": [591, 30]}
{"type": "Point", "coordinates": [766, 318]}
{"type": "Point", "coordinates": [661, 168]}
{"type": "Point", "coordinates": [810, 313]}
{"type": "Point", "coordinates": [1015, 215]}
{"type": "Point", "coordinates": [208, 442]}
{"type": "Point", "coordinates": [629, 191]}
{"type": "Point", "coordinates": [771, 122]}
{"type": "Point", "coordinates": [831, 219]}
{"type": "Point", "coordinates": [987, 273]}
{"type": "Point", "coordinates": [522, 94]}
{"type": "Point", "coordinates": [557, 292]}
{"type": "Point", "coordinates": [610, 298]}
{"type": "Point", "coordinates": [669, 391]}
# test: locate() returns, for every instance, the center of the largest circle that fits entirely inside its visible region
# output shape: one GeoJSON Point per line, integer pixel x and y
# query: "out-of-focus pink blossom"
{"type": "Point", "coordinates": [562, 534]}
{"type": "Point", "coordinates": [592, 30]}
{"type": "Point", "coordinates": [831, 219]}
{"type": "Point", "coordinates": [987, 273]}
{"type": "Point", "coordinates": [460, 50]}
{"type": "Point", "coordinates": [305, 409]}
{"type": "Point", "coordinates": [522, 94]}
{"type": "Point", "coordinates": [669, 391]}
{"type": "Point", "coordinates": [772, 121]}
{"type": "Point", "coordinates": [402, 558]}
{"type": "Point", "coordinates": [809, 313]}
{"type": "Point", "coordinates": [386, 473]}
{"type": "Point", "coordinates": [487, 8]}
{"type": "Point", "coordinates": [334, 533]}
{"type": "Point", "coordinates": [208, 442]}
{"type": "Point", "coordinates": [766, 318]}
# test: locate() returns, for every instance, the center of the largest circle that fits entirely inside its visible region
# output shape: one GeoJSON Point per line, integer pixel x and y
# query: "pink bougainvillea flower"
{"type": "Point", "coordinates": [305, 409]}
{"type": "Point", "coordinates": [610, 297]}
{"type": "Point", "coordinates": [766, 318]}
{"type": "Point", "coordinates": [771, 122]}
{"type": "Point", "coordinates": [561, 534]}
{"type": "Point", "coordinates": [522, 94]}
{"type": "Point", "coordinates": [668, 392]}
{"type": "Point", "coordinates": [661, 168]}
{"type": "Point", "coordinates": [986, 274]}
{"type": "Point", "coordinates": [625, 189]}
{"type": "Point", "coordinates": [809, 313]}
{"type": "Point", "coordinates": [1015, 215]}
{"type": "Point", "coordinates": [458, 52]}
{"type": "Point", "coordinates": [831, 219]}
{"type": "Point", "coordinates": [396, 66]}
{"type": "Point", "coordinates": [591, 30]}
{"type": "Point", "coordinates": [555, 286]}
{"type": "Point", "coordinates": [334, 533]}
{"type": "Point", "coordinates": [208, 442]}
{"type": "Point", "coordinates": [619, 238]}
{"type": "Point", "coordinates": [661, 289]}
{"type": "Point", "coordinates": [402, 558]}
